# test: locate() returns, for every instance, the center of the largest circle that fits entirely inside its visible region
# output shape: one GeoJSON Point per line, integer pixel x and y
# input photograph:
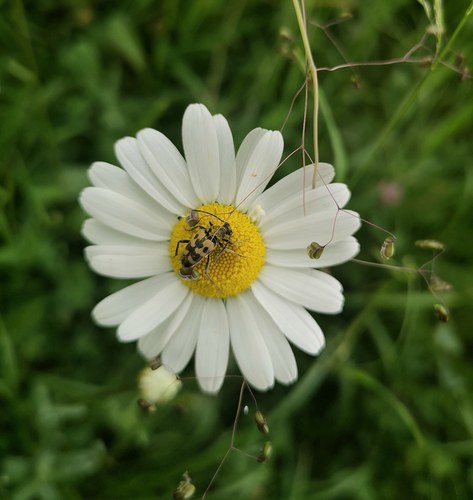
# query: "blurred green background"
{"type": "Point", "coordinates": [386, 412]}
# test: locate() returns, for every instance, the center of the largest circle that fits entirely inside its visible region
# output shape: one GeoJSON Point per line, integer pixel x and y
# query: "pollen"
{"type": "Point", "coordinates": [214, 259]}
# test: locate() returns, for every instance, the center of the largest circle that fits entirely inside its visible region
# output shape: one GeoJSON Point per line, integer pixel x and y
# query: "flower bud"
{"type": "Point", "coordinates": [315, 251]}
{"type": "Point", "coordinates": [158, 386]}
{"type": "Point", "coordinates": [387, 248]}
{"type": "Point", "coordinates": [286, 34]}
{"type": "Point", "coordinates": [185, 489]}
{"type": "Point", "coordinates": [261, 423]}
{"type": "Point", "coordinates": [355, 81]}
{"type": "Point", "coordinates": [439, 285]}
{"type": "Point", "coordinates": [430, 245]}
{"type": "Point", "coordinates": [184, 492]}
{"type": "Point", "coordinates": [459, 60]}
{"type": "Point", "coordinates": [265, 452]}
{"type": "Point", "coordinates": [441, 312]}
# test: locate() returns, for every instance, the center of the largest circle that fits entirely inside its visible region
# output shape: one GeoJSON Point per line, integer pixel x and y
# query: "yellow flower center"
{"type": "Point", "coordinates": [216, 250]}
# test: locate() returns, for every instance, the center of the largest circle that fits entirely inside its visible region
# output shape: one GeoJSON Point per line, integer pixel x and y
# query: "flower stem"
{"type": "Point", "coordinates": [315, 84]}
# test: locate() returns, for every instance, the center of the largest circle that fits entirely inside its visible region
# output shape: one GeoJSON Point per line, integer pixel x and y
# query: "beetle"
{"type": "Point", "coordinates": [202, 244]}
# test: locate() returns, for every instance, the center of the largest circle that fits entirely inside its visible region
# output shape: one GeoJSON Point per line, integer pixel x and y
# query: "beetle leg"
{"type": "Point", "coordinates": [178, 243]}
{"type": "Point", "coordinates": [194, 228]}
{"type": "Point", "coordinates": [207, 275]}
{"type": "Point", "coordinates": [232, 252]}
{"type": "Point", "coordinates": [226, 249]}
{"type": "Point", "coordinates": [207, 264]}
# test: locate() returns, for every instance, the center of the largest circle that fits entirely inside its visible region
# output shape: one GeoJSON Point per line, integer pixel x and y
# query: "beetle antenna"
{"type": "Point", "coordinates": [208, 213]}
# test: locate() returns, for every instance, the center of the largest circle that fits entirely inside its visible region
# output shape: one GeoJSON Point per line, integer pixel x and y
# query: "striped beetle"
{"type": "Point", "coordinates": [202, 244]}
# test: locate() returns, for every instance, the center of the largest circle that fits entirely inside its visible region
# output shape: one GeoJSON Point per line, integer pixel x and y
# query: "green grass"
{"type": "Point", "coordinates": [386, 412]}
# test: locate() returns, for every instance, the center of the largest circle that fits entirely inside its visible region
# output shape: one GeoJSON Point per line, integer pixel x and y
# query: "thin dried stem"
{"type": "Point", "coordinates": [232, 439]}
{"type": "Point", "coordinates": [300, 14]}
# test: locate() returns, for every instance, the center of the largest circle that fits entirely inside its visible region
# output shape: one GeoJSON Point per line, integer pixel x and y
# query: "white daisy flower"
{"type": "Point", "coordinates": [252, 292]}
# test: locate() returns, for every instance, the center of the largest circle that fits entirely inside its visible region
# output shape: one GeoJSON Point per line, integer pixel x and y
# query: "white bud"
{"type": "Point", "coordinates": [158, 386]}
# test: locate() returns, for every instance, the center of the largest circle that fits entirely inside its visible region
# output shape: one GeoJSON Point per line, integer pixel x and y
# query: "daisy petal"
{"type": "Point", "coordinates": [168, 296]}
{"type": "Point", "coordinates": [262, 161]}
{"type": "Point", "coordinates": [282, 357]}
{"type": "Point", "coordinates": [293, 320]}
{"type": "Point", "coordinates": [293, 185]}
{"type": "Point", "coordinates": [246, 149]}
{"type": "Point", "coordinates": [100, 234]}
{"type": "Point", "coordinates": [226, 150]}
{"type": "Point", "coordinates": [108, 176]}
{"type": "Point", "coordinates": [323, 199]}
{"type": "Point", "coordinates": [123, 214]}
{"type": "Point", "coordinates": [326, 278]}
{"type": "Point", "coordinates": [304, 288]}
{"type": "Point", "coordinates": [211, 356]}
{"type": "Point", "coordinates": [168, 165]}
{"type": "Point", "coordinates": [249, 348]}
{"type": "Point", "coordinates": [179, 349]}
{"type": "Point", "coordinates": [200, 143]}
{"type": "Point", "coordinates": [321, 228]}
{"type": "Point", "coordinates": [128, 154]}
{"type": "Point", "coordinates": [154, 342]}
{"type": "Point", "coordinates": [129, 261]}
{"type": "Point", "coordinates": [112, 310]}
{"type": "Point", "coordinates": [333, 254]}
